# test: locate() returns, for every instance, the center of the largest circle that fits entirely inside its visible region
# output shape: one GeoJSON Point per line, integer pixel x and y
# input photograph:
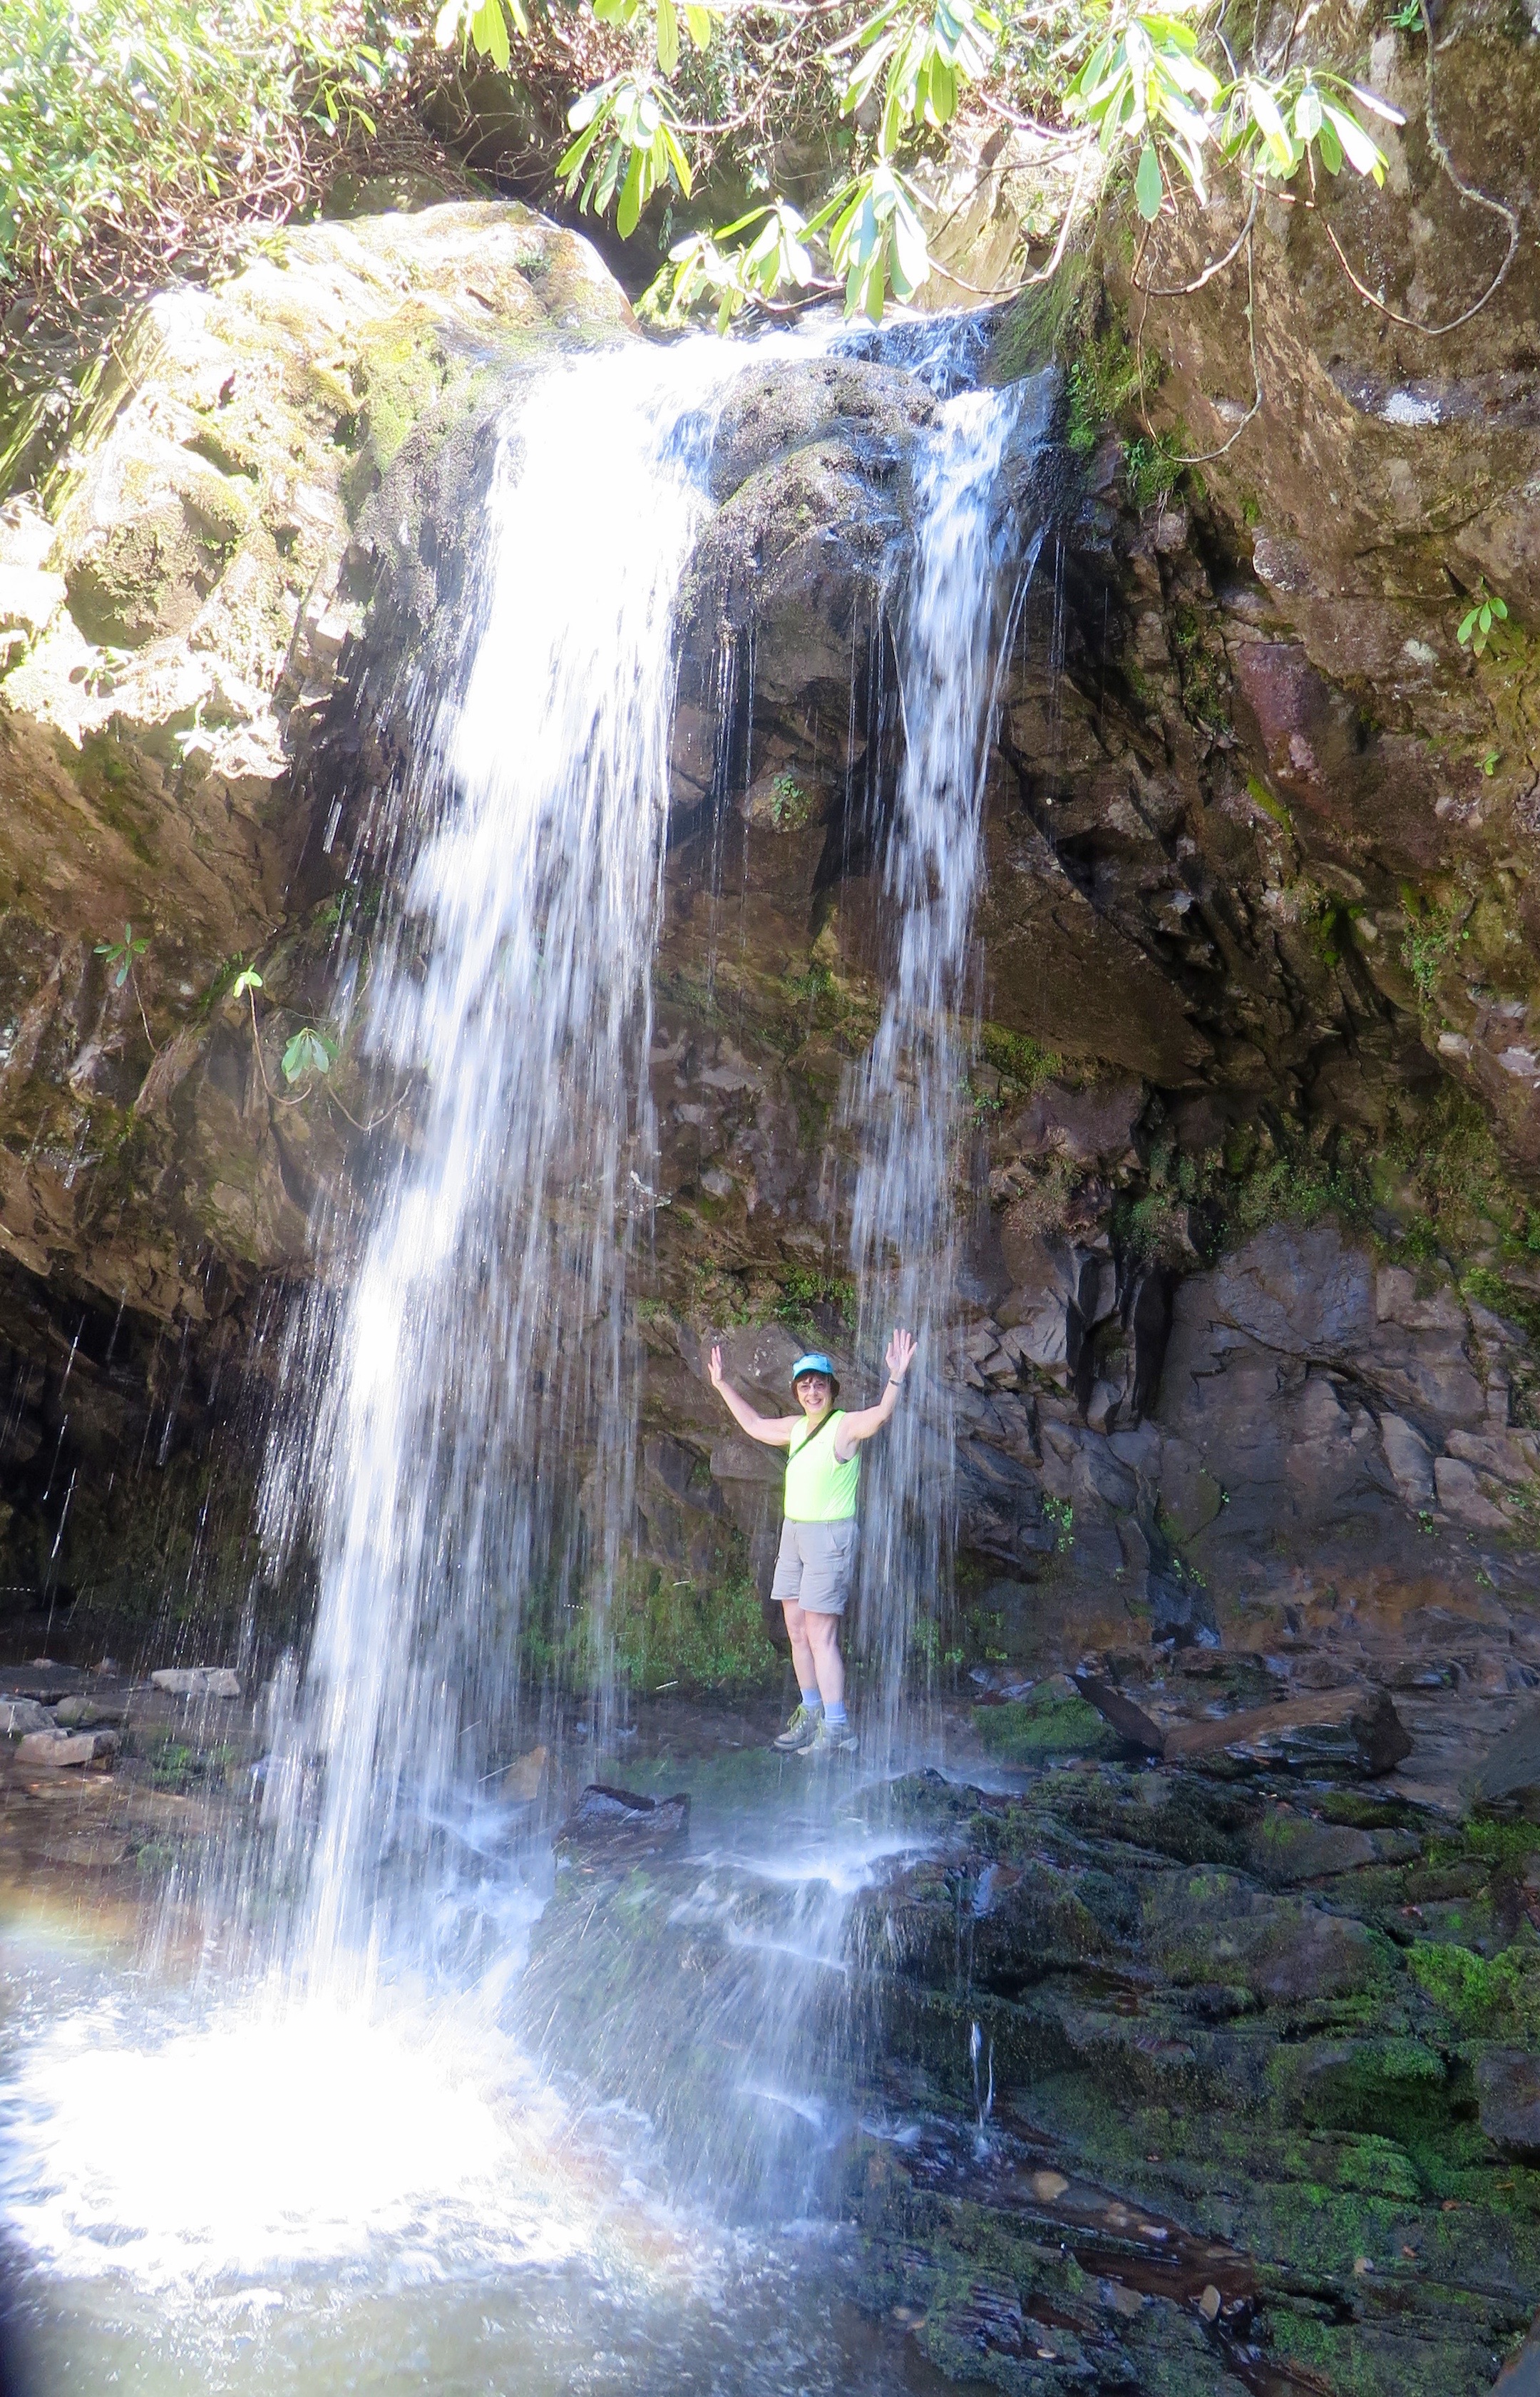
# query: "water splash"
{"type": "Point", "coordinates": [973, 556]}
{"type": "Point", "coordinates": [484, 1333]}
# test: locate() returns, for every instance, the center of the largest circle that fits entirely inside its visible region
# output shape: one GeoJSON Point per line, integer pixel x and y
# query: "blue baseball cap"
{"type": "Point", "coordinates": [815, 1362]}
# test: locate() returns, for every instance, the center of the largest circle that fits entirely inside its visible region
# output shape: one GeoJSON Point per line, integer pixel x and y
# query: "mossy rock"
{"type": "Point", "coordinates": [1050, 1723]}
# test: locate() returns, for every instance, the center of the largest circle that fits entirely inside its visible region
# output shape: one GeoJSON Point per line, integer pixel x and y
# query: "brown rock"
{"type": "Point", "coordinates": [58, 1747]}
{"type": "Point", "coordinates": [1129, 1721]}
{"type": "Point", "coordinates": [1354, 1731]}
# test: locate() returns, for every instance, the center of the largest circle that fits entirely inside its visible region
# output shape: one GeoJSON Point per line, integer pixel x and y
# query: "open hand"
{"type": "Point", "coordinates": [714, 1369]}
{"type": "Point", "coordinates": [900, 1355]}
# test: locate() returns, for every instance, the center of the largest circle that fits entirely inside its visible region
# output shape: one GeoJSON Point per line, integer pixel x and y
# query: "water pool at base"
{"type": "Point", "coordinates": [273, 2190]}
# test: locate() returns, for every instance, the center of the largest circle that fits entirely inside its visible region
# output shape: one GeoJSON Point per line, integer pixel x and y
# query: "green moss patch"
{"type": "Point", "coordinates": [1049, 1723]}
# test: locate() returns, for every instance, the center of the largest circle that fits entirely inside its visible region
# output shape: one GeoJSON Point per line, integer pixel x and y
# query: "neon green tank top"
{"type": "Point", "coordinates": [819, 1487]}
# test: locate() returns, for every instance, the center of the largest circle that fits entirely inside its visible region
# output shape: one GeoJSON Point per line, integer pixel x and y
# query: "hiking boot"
{"type": "Point", "coordinates": [799, 1732]}
{"type": "Point", "coordinates": [839, 1740]}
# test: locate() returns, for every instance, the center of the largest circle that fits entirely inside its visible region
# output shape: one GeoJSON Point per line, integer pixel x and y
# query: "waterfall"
{"type": "Point", "coordinates": [972, 560]}
{"type": "Point", "coordinates": [435, 1411]}
{"type": "Point", "coordinates": [481, 1343]}
{"type": "Point", "coordinates": [456, 1445]}
{"type": "Point", "coordinates": [482, 1339]}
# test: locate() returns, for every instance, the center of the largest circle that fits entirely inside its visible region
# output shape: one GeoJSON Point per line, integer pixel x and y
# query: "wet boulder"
{"type": "Point", "coordinates": [1353, 1732]}
{"type": "Point", "coordinates": [619, 1825]}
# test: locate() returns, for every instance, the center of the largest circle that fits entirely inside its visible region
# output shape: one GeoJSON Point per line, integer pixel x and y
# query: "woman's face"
{"type": "Point", "coordinates": [814, 1395]}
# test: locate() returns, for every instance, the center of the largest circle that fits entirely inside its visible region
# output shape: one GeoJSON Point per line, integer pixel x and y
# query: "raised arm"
{"type": "Point", "coordinates": [774, 1430]}
{"type": "Point", "coordinates": [862, 1422]}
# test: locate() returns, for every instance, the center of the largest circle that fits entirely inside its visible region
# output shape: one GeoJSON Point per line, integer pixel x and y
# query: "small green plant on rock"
{"type": "Point", "coordinates": [1060, 1514]}
{"type": "Point", "coordinates": [1023, 1064]}
{"type": "Point", "coordinates": [802, 1289]}
{"type": "Point", "coordinates": [121, 956]}
{"type": "Point", "coordinates": [1426, 941]}
{"type": "Point", "coordinates": [121, 959]}
{"type": "Point", "coordinates": [790, 805]}
{"type": "Point", "coordinates": [1485, 611]}
{"type": "Point", "coordinates": [1152, 468]}
{"type": "Point", "coordinates": [310, 1051]}
{"type": "Point", "coordinates": [1104, 376]}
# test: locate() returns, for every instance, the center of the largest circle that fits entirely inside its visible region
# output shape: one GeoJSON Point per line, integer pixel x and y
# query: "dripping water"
{"type": "Point", "coordinates": [973, 558]}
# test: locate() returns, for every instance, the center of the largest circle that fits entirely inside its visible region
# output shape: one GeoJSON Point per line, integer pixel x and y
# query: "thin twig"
{"type": "Point", "coordinates": [1216, 267]}
{"type": "Point", "coordinates": [1208, 456]}
{"type": "Point", "coordinates": [1468, 192]}
{"type": "Point", "coordinates": [1043, 273]}
{"type": "Point", "coordinates": [276, 1097]}
{"type": "Point", "coordinates": [375, 1121]}
{"type": "Point", "coordinates": [138, 1001]}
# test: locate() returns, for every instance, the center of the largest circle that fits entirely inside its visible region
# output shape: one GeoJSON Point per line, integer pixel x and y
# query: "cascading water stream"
{"type": "Point", "coordinates": [436, 1414]}
{"type": "Point", "coordinates": [483, 1332]}
{"type": "Point", "coordinates": [973, 558]}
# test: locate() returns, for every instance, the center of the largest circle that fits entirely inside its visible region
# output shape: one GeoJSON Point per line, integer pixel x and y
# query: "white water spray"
{"type": "Point", "coordinates": [972, 560]}
{"type": "Point", "coordinates": [482, 1337]}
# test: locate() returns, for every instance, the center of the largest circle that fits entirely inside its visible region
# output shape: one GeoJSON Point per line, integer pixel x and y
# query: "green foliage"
{"type": "Point", "coordinates": [1202, 670]}
{"type": "Point", "coordinates": [684, 1631]}
{"type": "Point", "coordinates": [802, 1289]}
{"type": "Point", "coordinates": [121, 956]}
{"type": "Point", "coordinates": [1020, 1060]}
{"type": "Point", "coordinates": [310, 1051]}
{"type": "Point", "coordinates": [1480, 1994]}
{"type": "Point", "coordinates": [815, 983]}
{"type": "Point", "coordinates": [1049, 1723]}
{"type": "Point", "coordinates": [703, 1635]}
{"type": "Point", "coordinates": [137, 116]}
{"type": "Point", "coordinates": [1104, 376]}
{"type": "Point", "coordinates": [1486, 610]}
{"type": "Point", "coordinates": [176, 1764]}
{"type": "Point", "coordinates": [627, 144]}
{"type": "Point", "coordinates": [1144, 78]}
{"type": "Point", "coordinates": [1152, 468]}
{"type": "Point", "coordinates": [1146, 85]}
{"type": "Point", "coordinates": [790, 805]}
{"type": "Point", "coordinates": [248, 979]}
{"type": "Point", "coordinates": [483, 24]}
{"type": "Point", "coordinates": [118, 113]}
{"type": "Point", "coordinates": [1430, 934]}
{"type": "Point", "coordinates": [1060, 1513]}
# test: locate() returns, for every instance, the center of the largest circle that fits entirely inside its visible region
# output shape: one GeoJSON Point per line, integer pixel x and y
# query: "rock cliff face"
{"type": "Point", "coordinates": [170, 633]}
{"type": "Point", "coordinates": [1247, 1150]}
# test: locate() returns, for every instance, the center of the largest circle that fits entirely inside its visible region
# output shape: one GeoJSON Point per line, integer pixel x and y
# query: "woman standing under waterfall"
{"type": "Point", "coordinates": [817, 1547]}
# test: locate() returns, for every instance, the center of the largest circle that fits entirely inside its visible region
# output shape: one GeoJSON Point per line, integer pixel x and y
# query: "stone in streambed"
{"type": "Point", "coordinates": [608, 1822]}
{"type": "Point", "coordinates": [1129, 1721]}
{"type": "Point", "coordinates": [83, 1714]}
{"type": "Point", "coordinates": [1054, 1720]}
{"type": "Point", "coordinates": [196, 1682]}
{"type": "Point", "coordinates": [54, 1748]}
{"type": "Point", "coordinates": [1286, 1847]}
{"type": "Point", "coordinates": [23, 1715]}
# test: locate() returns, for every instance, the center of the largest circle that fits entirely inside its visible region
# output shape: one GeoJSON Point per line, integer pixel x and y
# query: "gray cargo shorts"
{"type": "Point", "coordinates": [815, 1566]}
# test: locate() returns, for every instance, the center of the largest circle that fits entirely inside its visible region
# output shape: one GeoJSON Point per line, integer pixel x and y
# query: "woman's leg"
{"type": "Point", "coordinates": [821, 1634]}
{"type": "Point", "coordinates": [801, 1652]}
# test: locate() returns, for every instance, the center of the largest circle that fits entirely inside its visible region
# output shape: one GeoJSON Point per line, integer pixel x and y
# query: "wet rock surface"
{"type": "Point", "coordinates": [1149, 2083]}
